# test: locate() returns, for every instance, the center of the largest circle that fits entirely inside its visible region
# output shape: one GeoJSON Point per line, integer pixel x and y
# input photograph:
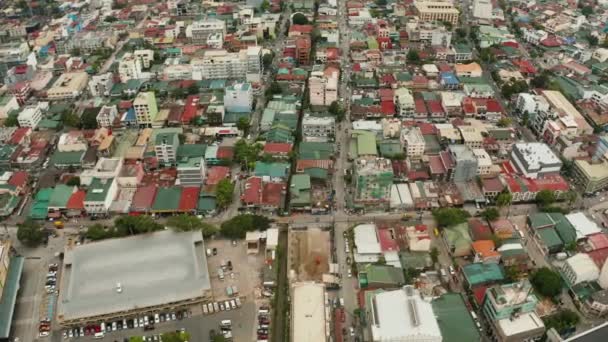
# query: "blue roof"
{"type": "Point", "coordinates": [130, 116]}
{"type": "Point", "coordinates": [218, 84]}
{"type": "Point", "coordinates": [449, 78]}
{"type": "Point", "coordinates": [9, 295]}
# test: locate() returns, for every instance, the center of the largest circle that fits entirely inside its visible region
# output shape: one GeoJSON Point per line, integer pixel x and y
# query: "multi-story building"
{"type": "Point", "coordinates": [471, 136]}
{"type": "Point", "coordinates": [323, 88]}
{"type": "Point", "coordinates": [106, 116]}
{"type": "Point", "coordinates": [100, 195]}
{"type": "Point", "coordinates": [484, 162]}
{"type": "Point", "coordinates": [199, 31]}
{"type": "Point", "coordinates": [129, 67]}
{"type": "Point", "coordinates": [165, 147]}
{"type": "Point", "coordinates": [535, 160]}
{"type": "Point", "coordinates": [12, 54]}
{"type": "Point", "coordinates": [591, 176]}
{"type": "Point", "coordinates": [482, 9]}
{"type": "Point", "coordinates": [145, 57]}
{"type": "Point", "coordinates": [430, 11]}
{"type": "Point", "coordinates": [533, 36]}
{"type": "Point", "coordinates": [510, 311]}
{"type": "Point", "coordinates": [191, 172]}
{"type": "Point", "coordinates": [68, 86]}
{"type": "Point", "coordinates": [221, 64]}
{"type": "Point", "coordinates": [254, 64]}
{"type": "Point", "coordinates": [531, 104]}
{"type": "Point", "coordinates": [101, 85]}
{"type": "Point", "coordinates": [580, 268]}
{"type": "Point", "coordinates": [430, 33]}
{"type": "Point", "coordinates": [30, 116]}
{"type": "Point", "coordinates": [319, 129]}
{"type": "Point", "coordinates": [373, 178]}
{"type": "Point", "coordinates": [404, 101]}
{"type": "Point", "coordinates": [239, 98]}
{"type": "Point", "coordinates": [145, 108]}
{"type": "Point", "coordinates": [413, 142]}
{"type": "Point", "coordinates": [466, 163]}
{"type": "Point", "coordinates": [8, 104]}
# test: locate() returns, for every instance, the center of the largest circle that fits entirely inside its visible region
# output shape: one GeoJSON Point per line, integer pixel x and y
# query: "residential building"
{"type": "Point", "coordinates": [468, 70]}
{"type": "Point", "coordinates": [319, 129]}
{"type": "Point", "coordinates": [72, 141]}
{"type": "Point", "coordinates": [535, 160]}
{"type": "Point", "coordinates": [308, 318]}
{"type": "Point", "coordinates": [165, 147]}
{"type": "Point", "coordinates": [591, 176]}
{"type": "Point", "coordinates": [510, 312]}
{"type": "Point", "coordinates": [471, 136]}
{"type": "Point", "coordinates": [145, 108]}
{"type": "Point", "coordinates": [9, 103]}
{"type": "Point", "coordinates": [100, 195]}
{"type": "Point", "coordinates": [254, 64]}
{"type": "Point", "coordinates": [129, 68]}
{"type": "Point", "coordinates": [239, 98]}
{"type": "Point", "coordinates": [191, 172]}
{"type": "Point", "coordinates": [12, 54]}
{"type": "Point", "coordinates": [402, 315]}
{"type": "Point", "coordinates": [373, 178]}
{"type": "Point", "coordinates": [101, 85]}
{"type": "Point", "coordinates": [145, 57]}
{"type": "Point", "coordinates": [130, 176]}
{"type": "Point", "coordinates": [199, 31]}
{"type": "Point", "coordinates": [484, 162]}
{"type": "Point", "coordinates": [482, 9]}
{"type": "Point", "coordinates": [106, 116]}
{"type": "Point", "coordinates": [413, 142]}
{"type": "Point", "coordinates": [221, 64]}
{"type": "Point", "coordinates": [466, 163]}
{"type": "Point", "coordinates": [580, 268]}
{"type": "Point", "coordinates": [323, 89]}
{"type": "Point", "coordinates": [534, 36]}
{"type": "Point", "coordinates": [404, 101]}
{"type": "Point", "coordinates": [30, 116]}
{"type": "Point", "coordinates": [429, 11]}
{"type": "Point", "coordinates": [105, 168]}
{"type": "Point", "coordinates": [68, 86]}
{"type": "Point", "coordinates": [531, 104]}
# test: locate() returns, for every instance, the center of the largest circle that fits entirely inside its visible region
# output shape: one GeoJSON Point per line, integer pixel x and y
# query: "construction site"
{"type": "Point", "coordinates": [309, 254]}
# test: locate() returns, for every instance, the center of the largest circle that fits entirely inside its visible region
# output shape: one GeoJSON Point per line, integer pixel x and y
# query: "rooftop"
{"type": "Point", "coordinates": [308, 312]}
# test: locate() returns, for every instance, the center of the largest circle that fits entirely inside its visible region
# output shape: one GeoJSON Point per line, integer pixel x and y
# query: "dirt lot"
{"type": "Point", "coordinates": [246, 268]}
{"type": "Point", "coordinates": [309, 253]}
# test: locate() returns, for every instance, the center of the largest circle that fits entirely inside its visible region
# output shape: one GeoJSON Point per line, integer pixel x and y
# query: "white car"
{"type": "Point", "coordinates": [173, 317]}
{"type": "Point", "coordinates": [114, 326]}
{"type": "Point", "coordinates": [135, 323]}
{"type": "Point", "coordinates": [146, 322]}
{"type": "Point", "coordinates": [350, 273]}
{"type": "Point", "coordinates": [156, 318]}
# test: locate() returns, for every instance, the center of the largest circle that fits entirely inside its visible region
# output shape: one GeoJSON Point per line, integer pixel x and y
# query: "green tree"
{"type": "Point", "coordinates": [381, 3]}
{"type": "Point", "coordinates": [335, 109]}
{"type": "Point", "coordinates": [299, 19]}
{"type": "Point", "coordinates": [571, 197]}
{"type": "Point", "coordinates": [178, 93]}
{"type": "Point", "coordinates": [176, 336]}
{"type": "Point", "coordinates": [243, 125]}
{"type": "Point", "coordinates": [110, 19]}
{"type": "Point", "coordinates": [30, 233]}
{"type": "Point", "coordinates": [504, 122]}
{"type": "Point", "coordinates": [224, 193]}
{"type": "Point", "coordinates": [525, 118]}
{"type": "Point", "coordinates": [545, 198]}
{"type": "Point", "coordinates": [264, 6]}
{"type": "Point", "coordinates": [88, 119]}
{"type": "Point", "coordinates": [98, 232]}
{"type": "Point", "coordinates": [74, 181]}
{"type": "Point", "coordinates": [490, 214]}
{"type": "Point", "coordinates": [546, 282]}
{"type": "Point", "coordinates": [186, 223]}
{"type": "Point", "coordinates": [132, 225]}
{"type": "Point", "coordinates": [461, 33]}
{"type": "Point", "coordinates": [541, 80]}
{"type": "Point", "coordinates": [450, 216]}
{"type": "Point", "coordinates": [11, 120]}
{"type": "Point", "coordinates": [512, 273]}
{"type": "Point", "coordinates": [274, 89]}
{"type": "Point", "coordinates": [562, 321]}
{"type": "Point", "coordinates": [587, 11]}
{"type": "Point", "coordinates": [448, 25]}
{"type": "Point", "coordinates": [593, 40]}
{"type": "Point", "coordinates": [136, 339]}
{"type": "Point", "coordinates": [193, 89]}
{"type": "Point", "coordinates": [486, 55]}
{"type": "Point", "coordinates": [434, 255]}
{"type": "Point", "coordinates": [504, 199]}
{"type": "Point", "coordinates": [238, 226]}
{"type": "Point", "coordinates": [246, 154]}
{"type": "Point", "coordinates": [413, 56]}
{"type": "Point", "coordinates": [219, 338]}
{"type": "Point", "coordinates": [70, 119]}
{"type": "Point", "coordinates": [267, 60]}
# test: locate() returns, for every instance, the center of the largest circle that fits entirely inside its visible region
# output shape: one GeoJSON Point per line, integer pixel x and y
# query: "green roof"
{"type": "Point", "coordinates": [455, 321]}
{"type": "Point", "coordinates": [315, 150]}
{"type": "Point", "coordinates": [6, 152]}
{"type": "Point", "coordinates": [564, 228]}
{"type": "Point", "coordinates": [479, 273]}
{"type": "Point", "coordinates": [381, 274]}
{"type": "Point", "coordinates": [458, 238]}
{"type": "Point", "coordinates": [9, 295]}
{"type": "Point", "coordinates": [98, 190]}
{"type": "Point", "coordinates": [540, 220]}
{"type": "Point", "coordinates": [49, 124]}
{"type": "Point", "coordinates": [550, 238]}
{"type": "Point", "coordinates": [279, 133]}
{"type": "Point", "coordinates": [191, 151]}
{"type": "Point", "coordinates": [317, 173]}
{"type": "Point", "coordinates": [390, 148]}
{"type": "Point", "coordinates": [415, 260]}
{"type": "Point", "coordinates": [8, 203]}
{"type": "Point", "coordinates": [299, 190]}
{"type": "Point", "coordinates": [168, 138]}
{"type": "Point", "coordinates": [366, 143]}
{"type": "Point", "coordinates": [73, 158]}
{"type": "Point", "coordinates": [274, 170]}
{"type": "Point", "coordinates": [167, 199]}
{"type": "Point", "coordinates": [40, 206]}
{"type": "Point", "coordinates": [206, 203]}
{"type": "Point", "coordinates": [61, 195]}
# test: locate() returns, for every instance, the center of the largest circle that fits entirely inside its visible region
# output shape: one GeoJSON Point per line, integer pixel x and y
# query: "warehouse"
{"type": "Point", "coordinates": [118, 278]}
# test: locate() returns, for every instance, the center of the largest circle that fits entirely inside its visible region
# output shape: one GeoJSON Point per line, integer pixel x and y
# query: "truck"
{"type": "Point", "coordinates": [58, 224]}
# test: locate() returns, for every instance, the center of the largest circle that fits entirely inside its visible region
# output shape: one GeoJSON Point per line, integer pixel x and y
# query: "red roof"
{"type": "Point", "coordinates": [271, 194]}
{"type": "Point", "coordinates": [301, 28]}
{"type": "Point", "coordinates": [387, 243]}
{"type": "Point", "coordinates": [277, 148]}
{"type": "Point", "coordinates": [435, 107]}
{"type": "Point", "coordinates": [388, 107]}
{"type": "Point", "coordinates": [492, 184]}
{"type": "Point", "coordinates": [189, 199]}
{"type": "Point", "coordinates": [507, 167]}
{"type": "Point", "coordinates": [19, 179]}
{"type": "Point", "coordinates": [420, 106]}
{"type": "Point", "coordinates": [479, 293]}
{"type": "Point", "coordinates": [124, 104]}
{"type": "Point", "coordinates": [252, 192]}
{"type": "Point", "coordinates": [225, 152]}
{"type": "Point", "coordinates": [76, 201]}
{"type": "Point", "coordinates": [427, 128]}
{"type": "Point", "coordinates": [551, 41]}
{"type": "Point", "coordinates": [190, 109]}
{"type": "Point", "coordinates": [553, 183]}
{"type": "Point", "coordinates": [493, 106]}
{"type": "Point", "coordinates": [18, 135]}
{"type": "Point", "coordinates": [511, 44]}
{"type": "Point", "coordinates": [436, 165]}
{"type": "Point", "coordinates": [216, 173]}
{"type": "Point", "coordinates": [386, 94]}
{"type": "Point", "coordinates": [479, 230]}
{"type": "Point", "coordinates": [144, 197]}
{"type": "Point", "coordinates": [599, 256]}
{"type": "Point", "coordinates": [598, 241]}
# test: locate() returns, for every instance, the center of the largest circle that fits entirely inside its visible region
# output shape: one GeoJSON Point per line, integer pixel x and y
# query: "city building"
{"type": "Point", "coordinates": [580, 268]}
{"type": "Point", "coordinates": [472, 136]}
{"type": "Point", "coordinates": [323, 88]}
{"type": "Point", "coordinates": [129, 68]}
{"type": "Point", "coordinates": [100, 195]}
{"type": "Point", "coordinates": [111, 292]}
{"type": "Point", "coordinates": [404, 101]}
{"type": "Point", "coordinates": [484, 161]}
{"type": "Point", "coordinates": [106, 116]}
{"type": "Point", "coordinates": [239, 98]}
{"type": "Point", "coordinates": [101, 85]}
{"type": "Point", "coordinates": [402, 315]}
{"type": "Point", "coordinates": [199, 31]}
{"type": "Point", "coordinates": [145, 108]}
{"type": "Point", "coordinates": [482, 9]}
{"type": "Point", "coordinates": [413, 142]}
{"type": "Point", "coordinates": [373, 178]}
{"type": "Point", "coordinates": [591, 176]}
{"type": "Point", "coordinates": [221, 64]}
{"type": "Point", "coordinates": [510, 312]}
{"type": "Point", "coordinates": [191, 171]}
{"type": "Point", "coordinates": [466, 163]}
{"type": "Point", "coordinates": [319, 129]}
{"type": "Point", "coordinates": [165, 147]}
{"type": "Point", "coordinates": [254, 64]}
{"type": "Point", "coordinates": [430, 11]}
{"type": "Point", "coordinates": [30, 116]}
{"type": "Point", "coordinates": [11, 267]}
{"type": "Point", "coordinates": [535, 160]}
{"type": "Point", "coordinates": [308, 313]}
{"type": "Point", "coordinates": [145, 57]}
{"type": "Point", "coordinates": [69, 86]}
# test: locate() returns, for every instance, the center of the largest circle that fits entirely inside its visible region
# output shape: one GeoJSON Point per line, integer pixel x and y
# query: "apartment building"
{"type": "Point", "coordinates": [323, 88]}
{"type": "Point", "coordinates": [106, 116]}
{"type": "Point", "coordinates": [482, 9]}
{"type": "Point", "coordinates": [129, 67]}
{"type": "Point", "coordinates": [101, 85]}
{"type": "Point", "coordinates": [68, 86]}
{"type": "Point", "coordinates": [12, 54]}
{"type": "Point", "coordinates": [466, 163]}
{"type": "Point", "coordinates": [471, 136]}
{"type": "Point", "coordinates": [145, 108]}
{"type": "Point", "coordinates": [100, 195]}
{"type": "Point", "coordinates": [404, 101]}
{"type": "Point", "coordinates": [591, 176]}
{"type": "Point", "coordinates": [430, 11]}
{"type": "Point", "coordinates": [30, 116]}
{"type": "Point", "coordinates": [165, 147]}
{"type": "Point", "coordinates": [239, 98]}
{"type": "Point", "coordinates": [145, 57]}
{"type": "Point", "coordinates": [413, 142]}
{"type": "Point", "coordinates": [221, 64]}
{"type": "Point", "coordinates": [200, 30]}
{"type": "Point", "coordinates": [318, 129]}
{"type": "Point", "coordinates": [535, 159]}
{"type": "Point", "coordinates": [254, 64]}
{"type": "Point", "coordinates": [484, 162]}
{"type": "Point", "coordinates": [191, 172]}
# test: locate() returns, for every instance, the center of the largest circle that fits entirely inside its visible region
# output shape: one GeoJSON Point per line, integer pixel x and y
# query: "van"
{"type": "Point", "coordinates": [210, 307]}
{"type": "Point", "coordinates": [233, 304]}
{"type": "Point", "coordinates": [205, 310]}
{"type": "Point", "coordinates": [226, 323]}
{"type": "Point", "coordinates": [98, 335]}
{"type": "Point", "coordinates": [341, 301]}
{"type": "Point", "coordinates": [238, 302]}
{"type": "Point", "coordinates": [102, 327]}
{"type": "Point", "coordinates": [263, 311]}
{"type": "Point", "coordinates": [216, 307]}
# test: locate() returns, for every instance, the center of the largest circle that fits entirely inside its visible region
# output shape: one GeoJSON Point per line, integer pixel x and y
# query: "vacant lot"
{"type": "Point", "coordinates": [309, 252]}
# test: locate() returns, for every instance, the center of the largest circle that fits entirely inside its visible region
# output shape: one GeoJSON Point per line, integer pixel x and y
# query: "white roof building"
{"type": "Point", "coordinates": [401, 198]}
{"type": "Point", "coordinates": [367, 242]}
{"type": "Point", "coordinates": [308, 313]}
{"type": "Point", "coordinates": [535, 159]}
{"type": "Point", "coordinates": [583, 225]}
{"type": "Point", "coordinates": [367, 125]}
{"type": "Point", "coordinates": [402, 315]}
{"type": "Point", "coordinates": [580, 268]}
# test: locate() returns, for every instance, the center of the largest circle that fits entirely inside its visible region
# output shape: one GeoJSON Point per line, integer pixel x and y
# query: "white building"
{"type": "Point", "coordinates": [600, 54]}
{"type": "Point", "coordinates": [403, 315]}
{"type": "Point", "coordinates": [176, 72]}
{"type": "Point", "coordinates": [484, 161]}
{"type": "Point", "coordinates": [413, 142]}
{"type": "Point", "coordinates": [482, 9]}
{"type": "Point", "coordinates": [532, 104]}
{"type": "Point", "coordinates": [106, 116]}
{"type": "Point", "coordinates": [320, 129]}
{"type": "Point", "coordinates": [309, 313]}
{"type": "Point", "coordinates": [100, 195]}
{"type": "Point", "coordinates": [191, 173]}
{"type": "Point", "coordinates": [145, 57]}
{"type": "Point", "coordinates": [215, 41]}
{"type": "Point", "coordinates": [254, 64]}
{"type": "Point", "coordinates": [533, 36]}
{"type": "Point", "coordinates": [199, 31]}
{"type": "Point", "coordinates": [239, 98]}
{"type": "Point", "coordinates": [129, 68]}
{"type": "Point", "coordinates": [8, 103]}
{"type": "Point", "coordinates": [221, 64]}
{"type": "Point", "coordinates": [323, 89]}
{"type": "Point", "coordinates": [535, 159]}
{"type": "Point", "coordinates": [105, 168]}
{"type": "Point", "coordinates": [583, 225]}
{"type": "Point", "coordinates": [580, 268]}
{"type": "Point", "coordinates": [401, 197]}
{"type": "Point", "coordinates": [391, 128]}
{"type": "Point", "coordinates": [30, 116]}
{"type": "Point", "coordinates": [145, 108]}
{"type": "Point", "coordinates": [404, 101]}
{"type": "Point", "coordinates": [101, 85]}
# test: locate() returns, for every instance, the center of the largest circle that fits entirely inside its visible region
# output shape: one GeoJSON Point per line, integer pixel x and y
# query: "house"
{"type": "Point", "coordinates": [458, 240]}
{"type": "Point", "coordinates": [100, 195]}
{"type": "Point", "coordinates": [380, 276]}
{"type": "Point", "coordinates": [485, 251]}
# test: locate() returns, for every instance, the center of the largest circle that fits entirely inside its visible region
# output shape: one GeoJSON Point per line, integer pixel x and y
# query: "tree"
{"type": "Point", "coordinates": [546, 282]}
{"type": "Point", "coordinates": [514, 87]}
{"type": "Point", "coordinates": [413, 56]}
{"type": "Point", "coordinates": [571, 197]}
{"type": "Point", "coordinates": [176, 336]}
{"type": "Point", "coordinates": [504, 122]}
{"type": "Point", "coordinates": [450, 216]}
{"type": "Point", "coordinates": [30, 233]}
{"type": "Point", "coordinates": [512, 273]}
{"type": "Point", "coordinates": [381, 3]}
{"type": "Point", "coordinates": [70, 119]}
{"type": "Point", "coordinates": [299, 19]}
{"type": "Point", "coordinates": [243, 125]}
{"type": "Point", "coordinates": [136, 339]}
{"type": "Point", "coordinates": [74, 181]}
{"type": "Point", "coordinates": [587, 11]}
{"type": "Point", "coordinates": [193, 89]}
{"type": "Point", "coordinates": [178, 93]}
{"type": "Point", "coordinates": [238, 226]}
{"type": "Point", "coordinates": [275, 88]}
{"type": "Point", "coordinates": [133, 225]}
{"type": "Point", "coordinates": [98, 232]}
{"type": "Point", "coordinates": [461, 33]}
{"type": "Point", "coordinates": [224, 193]}
{"type": "Point", "coordinates": [434, 255]}
{"type": "Point", "coordinates": [186, 223]}
{"type": "Point", "coordinates": [267, 60]}
{"type": "Point", "coordinates": [490, 214]}
{"type": "Point", "coordinates": [246, 154]}
{"type": "Point", "coordinates": [540, 81]}
{"type": "Point", "coordinates": [562, 321]}
{"type": "Point", "coordinates": [448, 25]}
{"type": "Point", "coordinates": [497, 240]}
{"type": "Point", "coordinates": [110, 19]}
{"type": "Point", "coordinates": [593, 40]}
{"type": "Point", "coordinates": [545, 198]}
{"type": "Point", "coordinates": [486, 55]}
{"type": "Point", "coordinates": [335, 108]}
{"type": "Point", "coordinates": [88, 119]}
{"type": "Point", "coordinates": [11, 120]}
{"type": "Point", "coordinates": [219, 338]}
{"type": "Point", "coordinates": [264, 6]}
{"type": "Point", "coordinates": [504, 199]}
